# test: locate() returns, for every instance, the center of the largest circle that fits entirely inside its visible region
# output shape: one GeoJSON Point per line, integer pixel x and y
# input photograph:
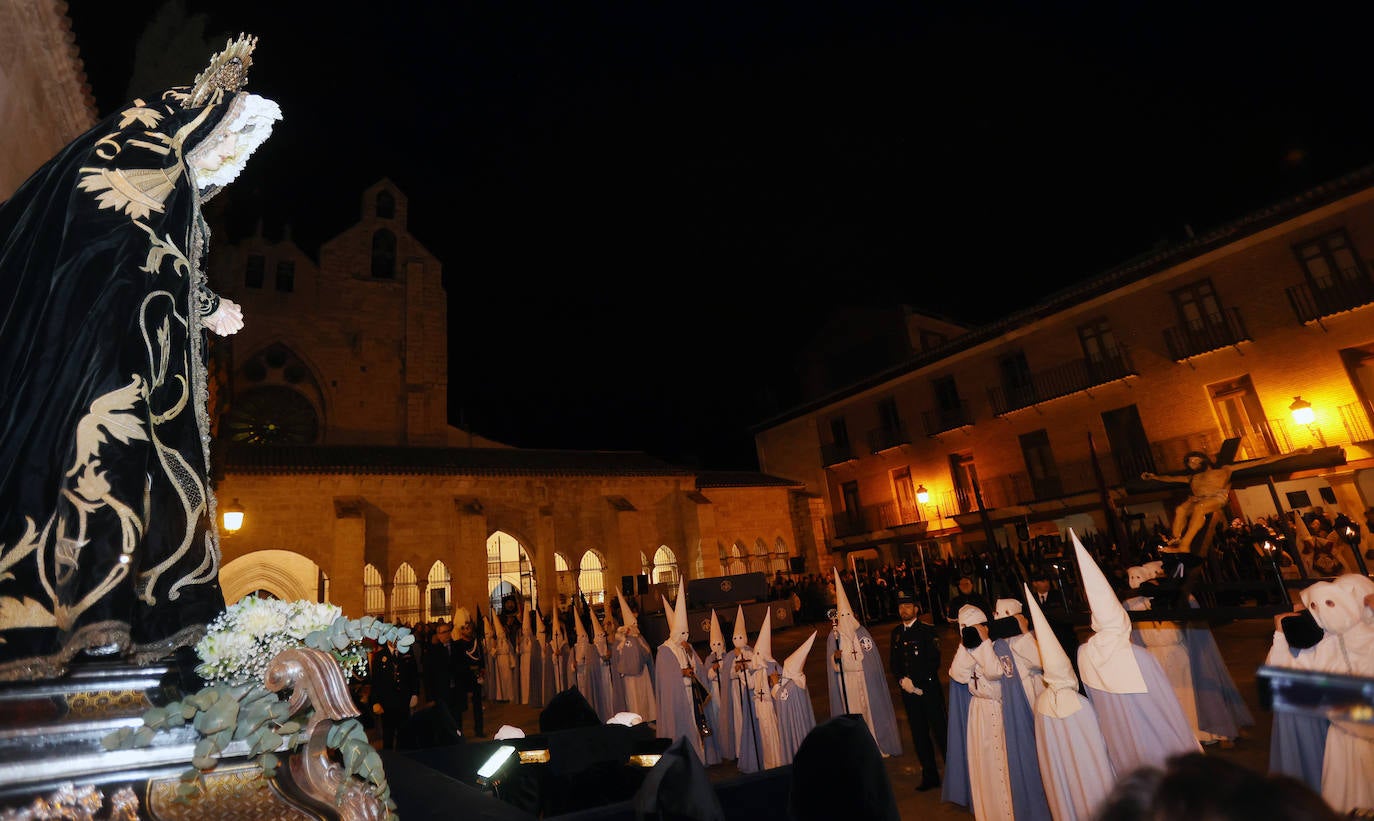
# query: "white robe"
{"type": "Point", "coordinates": [986, 739]}
{"type": "Point", "coordinates": [1348, 763]}
{"type": "Point", "coordinates": [1164, 640]}
{"type": "Point", "coordinates": [765, 712]}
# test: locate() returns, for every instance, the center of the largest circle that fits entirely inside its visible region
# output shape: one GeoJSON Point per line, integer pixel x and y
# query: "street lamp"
{"type": "Point", "coordinates": [922, 495]}
{"type": "Point", "coordinates": [1302, 413]}
{"type": "Point", "coordinates": [233, 517]}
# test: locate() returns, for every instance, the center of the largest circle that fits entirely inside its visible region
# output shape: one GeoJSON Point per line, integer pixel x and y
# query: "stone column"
{"type": "Point", "coordinates": [345, 560]}
{"type": "Point", "coordinates": [468, 549]}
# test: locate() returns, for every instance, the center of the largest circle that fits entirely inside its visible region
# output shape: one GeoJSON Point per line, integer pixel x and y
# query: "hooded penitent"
{"type": "Point", "coordinates": [107, 536]}
{"type": "Point", "coordinates": [1060, 698]}
{"type": "Point", "coordinates": [796, 661]}
{"type": "Point", "coordinates": [717, 637]}
{"type": "Point", "coordinates": [627, 616]}
{"type": "Point", "coordinates": [1111, 664]}
{"type": "Point", "coordinates": [740, 636]}
{"type": "Point", "coordinates": [860, 683]}
{"type": "Point", "coordinates": [763, 643]}
{"type": "Point", "coordinates": [682, 630]}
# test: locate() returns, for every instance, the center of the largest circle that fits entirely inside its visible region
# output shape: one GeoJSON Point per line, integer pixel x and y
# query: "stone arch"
{"type": "Point", "coordinates": [277, 380]}
{"type": "Point", "coordinates": [732, 559]}
{"type": "Point", "coordinates": [510, 569]}
{"type": "Point", "coordinates": [758, 557]}
{"type": "Point", "coordinates": [287, 575]}
{"type": "Point", "coordinates": [591, 575]}
{"type": "Point", "coordinates": [374, 592]}
{"type": "Point", "coordinates": [565, 577]}
{"type": "Point", "coordinates": [405, 595]}
{"type": "Point", "coordinates": [778, 560]}
{"type": "Point", "coordinates": [438, 594]}
{"type": "Point", "coordinates": [664, 567]}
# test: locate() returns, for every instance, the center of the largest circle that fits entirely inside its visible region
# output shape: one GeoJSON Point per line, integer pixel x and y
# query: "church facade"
{"type": "Point", "coordinates": [334, 441]}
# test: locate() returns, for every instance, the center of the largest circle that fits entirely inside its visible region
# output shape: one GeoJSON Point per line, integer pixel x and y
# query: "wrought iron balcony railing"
{"type": "Point", "coordinates": [1312, 303]}
{"type": "Point", "coordinates": [941, 420]}
{"type": "Point", "coordinates": [1062, 380]}
{"type": "Point", "coordinates": [1211, 333]}
{"type": "Point", "coordinates": [886, 438]}
{"type": "Point", "coordinates": [836, 454]}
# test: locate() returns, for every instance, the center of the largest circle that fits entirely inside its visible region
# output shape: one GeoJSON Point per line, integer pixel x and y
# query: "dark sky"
{"type": "Point", "coordinates": [642, 207]}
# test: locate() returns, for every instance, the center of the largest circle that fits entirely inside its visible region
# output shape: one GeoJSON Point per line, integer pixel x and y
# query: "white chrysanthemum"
{"type": "Point", "coordinates": [261, 620]}
{"type": "Point", "coordinates": [307, 617]}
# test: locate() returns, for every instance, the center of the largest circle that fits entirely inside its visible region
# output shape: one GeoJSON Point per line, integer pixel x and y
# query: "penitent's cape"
{"type": "Point", "coordinates": [105, 512]}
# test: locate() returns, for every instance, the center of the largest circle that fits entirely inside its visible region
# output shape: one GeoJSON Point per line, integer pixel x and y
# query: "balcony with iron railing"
{"type": "Point", "coordinates": [1062, 380]}
{"type": "Point", "coordinates": [1312, 302]}
{"type": "Point", "coordinates": [1211, 333]}
{"type": "Point", "coordinates": [887, 437]}
{"type": "Point", "coordinates": [836, 453]}
{"type": "Point", "coordinates": [871, 518]}
{"type": "Point", "coordinates": [942, 420]}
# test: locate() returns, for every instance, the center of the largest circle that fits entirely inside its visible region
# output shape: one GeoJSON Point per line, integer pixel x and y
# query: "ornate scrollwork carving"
{"type": "Point", "coordinates": [315, 679]}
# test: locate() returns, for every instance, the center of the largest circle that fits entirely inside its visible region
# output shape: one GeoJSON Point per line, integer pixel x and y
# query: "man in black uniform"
{"type": "Point", "coordinates": [470, 664]}
{"type": "Point", "coordinates": [915, 663]}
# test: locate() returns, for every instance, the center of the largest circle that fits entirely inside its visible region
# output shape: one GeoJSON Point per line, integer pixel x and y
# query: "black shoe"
{"type": "Point", "coordinates": [928, 783]}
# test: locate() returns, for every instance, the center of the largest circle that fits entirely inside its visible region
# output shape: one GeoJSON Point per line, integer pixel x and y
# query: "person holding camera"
{"type": "Point", "coordinates": [915, 663]}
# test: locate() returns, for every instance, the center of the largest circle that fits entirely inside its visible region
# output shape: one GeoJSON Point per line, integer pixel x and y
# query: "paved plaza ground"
{"type": "Point", "coordinates": [1243, 644]}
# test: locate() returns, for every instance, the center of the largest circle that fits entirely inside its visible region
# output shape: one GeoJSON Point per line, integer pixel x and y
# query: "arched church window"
{"type": "Point", "coordinates": [438, 593]}
{"type": "Point", "coordinates": [665, 567]}
{"type": "Point", "coordinates": [272, 415]}
{"type": "Point", "coordinates": [386, 205]}
{"type": "Point", "coordinates": [383, 254]}
{"type": "Point", "coordinates": [591, 577]}
{"type": "Point", "coordinates": [374, 597]}
{"type": "Point", "coordinates": [405, 596]}
{"type": "Point", "coordinates": [509, 570]}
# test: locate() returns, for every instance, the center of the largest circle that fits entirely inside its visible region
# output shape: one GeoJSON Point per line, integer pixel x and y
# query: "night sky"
{"type": "Point", "coordinates": [642, 208]}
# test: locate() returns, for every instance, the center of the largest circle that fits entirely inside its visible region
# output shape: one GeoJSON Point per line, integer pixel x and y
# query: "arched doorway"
{"type": "Point", "coordinates": [280, 573]}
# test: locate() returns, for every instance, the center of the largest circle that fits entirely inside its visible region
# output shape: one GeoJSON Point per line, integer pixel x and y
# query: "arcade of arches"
{"type": "Point", "coordinates": [418, 547]}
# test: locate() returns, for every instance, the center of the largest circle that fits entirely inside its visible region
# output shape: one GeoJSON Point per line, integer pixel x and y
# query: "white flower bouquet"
{"type": "Point", "coordinates": [237, 705]}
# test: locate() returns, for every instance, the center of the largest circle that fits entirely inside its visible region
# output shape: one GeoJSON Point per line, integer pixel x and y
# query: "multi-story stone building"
{"type": "Point", "coordinates": [332, 408]}
{"type": "Point", "coordinates": [1222, 336]}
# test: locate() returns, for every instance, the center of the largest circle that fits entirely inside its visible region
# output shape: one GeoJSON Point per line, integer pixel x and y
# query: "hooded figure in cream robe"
{"type": "Point", "coordinates": [718, 713]}
{"type": "Point", "coordinates": [743, 738]}
{"type": "Point", "coordinates": [1075, 769]}
{"type": "Point", "coordinates": [984, 745]}
{"type": "Point", "coordinates": [1342, 609]}
{"type": "Point", "coordinates": [503, 664]}
{"type": "Point", "coordinates": [633, 661]}
{"type": "Point", "coordinates": [1140, 716]}
{"type": "Point", "coordinates": [792, 701]}
{"type": "Point", "coordinates": [858, 683]}
{"type": "Point", "coordinates": [678, 673]}
{"type": "Point", "coordinates": [1164, 640]}
{"type": "Point", "coordinates": [761, 673]}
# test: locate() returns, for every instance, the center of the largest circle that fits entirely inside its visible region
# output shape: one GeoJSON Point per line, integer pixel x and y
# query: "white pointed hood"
{"type": "Point", "coordinates": [1106, 661]}
{"type": "Point", "coordinates": [1359, 586]}
{"type": "Point", "coordinates": [1060, 698]}
{"type": "Point", "coordinates": [796, 662]}
{"type": "Point", "coordinates": [498, 629]}
{"type": "Point", "coordinates": [717, 637]}
{"type": "Point", "coordinates": [461, 616]}
{"type": "Point", "coordinates": [740, 638]}
{"type": "Point", "coordinates": [578, 628]}
{"type": "Point", "coordinates": [538, 626]}
{"type": "Point", "coordinates": [670, 618]}
{"type": "Point", "coordinates": [681, 629]}
{"type": "Point", "coordinates": [763, 645]}
{"type": "Point", "coordinates": [598, 632]}
{"type": "Point", "coordinates": [627, 616]}
{"type": "Point", "coordinates": [848, 622]}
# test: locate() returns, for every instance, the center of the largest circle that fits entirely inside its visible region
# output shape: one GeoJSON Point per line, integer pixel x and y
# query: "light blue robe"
{"type": "Point", "coordinates": [796, 716]}
{"type": "Point", "coordinates": [1018, 723]}
{"type": "Point", "coordinates": [676, 712]}
{"type": "Point", "coordinates": [1142, 729]}
{"type": "Point", "coordinates": [1074, 766]}
{"type": "Point", "coordinates": [884, 717]}
{"type": "Point", "coordinates": [956, 787]}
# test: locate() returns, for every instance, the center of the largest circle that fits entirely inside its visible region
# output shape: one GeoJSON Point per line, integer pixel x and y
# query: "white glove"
{"type": "Point", "coordinates": [227, 318]}
{"type": "Point", "coordinates": [413, 701]}
{"type": "Point", "coordinates": [908, 686]}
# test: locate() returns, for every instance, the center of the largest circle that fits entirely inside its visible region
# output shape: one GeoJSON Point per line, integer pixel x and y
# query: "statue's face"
{"type": "Point", "coordinates": [1195, 463]}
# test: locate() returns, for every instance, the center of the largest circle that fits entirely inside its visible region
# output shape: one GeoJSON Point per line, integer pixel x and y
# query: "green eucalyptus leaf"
{"type": "Point", "coordinates": [222, 715]}
{"type": "Point", "coordinates": [142, 737]}
{"type": "Point", "coordinates": [190, 775]}
{"type": "Point", "coordinates": [289, 727]}
{"type": "Point", "coordinates": [155, 717]}
{"type": "Point", "coordinates": [118, 739]}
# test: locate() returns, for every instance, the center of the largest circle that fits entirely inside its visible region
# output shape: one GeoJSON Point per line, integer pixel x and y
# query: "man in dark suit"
{"type": "Point", "coordinates": [440, 669]}
{"type": "Point", "coordinates": [915, 663]}
{"type": "Point", "coordinates": [470, 664]}
{"type": "Point", "coordinates": [1052, 604]}
{"type": "Point", "coordinates": [395, 687]}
